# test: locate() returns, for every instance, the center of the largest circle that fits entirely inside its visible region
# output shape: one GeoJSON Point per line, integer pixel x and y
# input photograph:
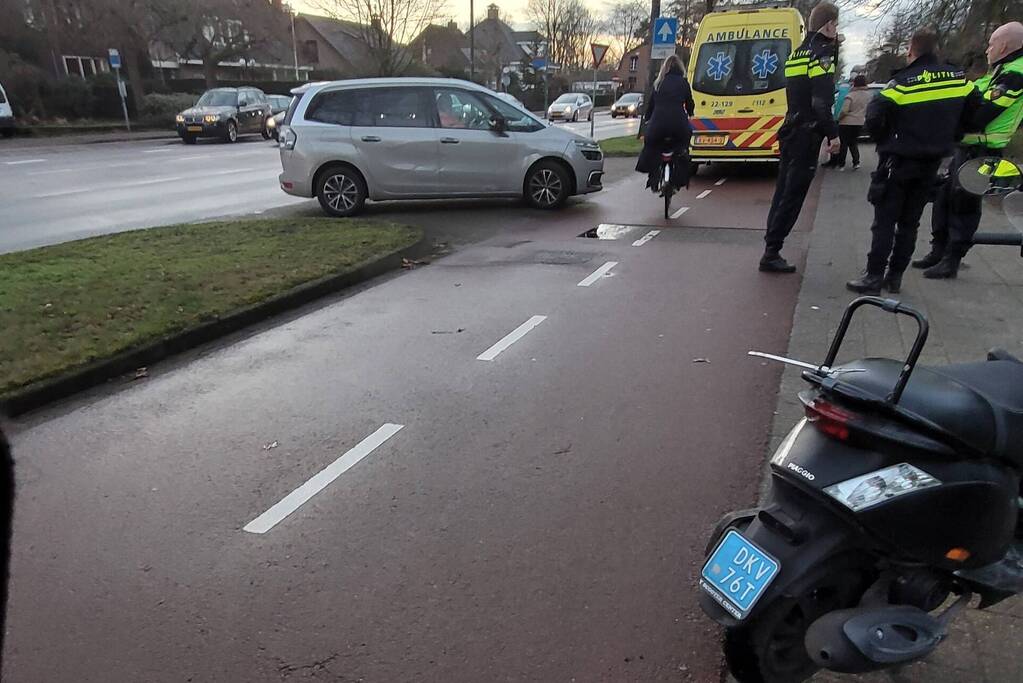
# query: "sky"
{"type": "Point", "coordinates": [858, 25]}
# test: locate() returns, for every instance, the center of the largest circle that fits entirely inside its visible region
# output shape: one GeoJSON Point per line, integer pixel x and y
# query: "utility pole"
{"type": "Point", "coordinates": [651, 76]}
{"type": "Point", "coordinates": [294, 43]}
{"type": "Point", "coordinates": [472, 43]}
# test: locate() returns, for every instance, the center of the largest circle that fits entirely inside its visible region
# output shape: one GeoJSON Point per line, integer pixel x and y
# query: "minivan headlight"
{"type": "Point", "coordinates": [871, 489]}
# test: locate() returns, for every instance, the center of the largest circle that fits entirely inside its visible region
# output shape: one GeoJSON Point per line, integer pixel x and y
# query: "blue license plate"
{"type": "Point", "coordinates": [737, 574]}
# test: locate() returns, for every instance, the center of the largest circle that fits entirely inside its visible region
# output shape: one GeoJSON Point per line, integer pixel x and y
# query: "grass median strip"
{"type": "Point", "coordinates": [65, 306]}
{"type": "Point", "coordinates": [627, 146]}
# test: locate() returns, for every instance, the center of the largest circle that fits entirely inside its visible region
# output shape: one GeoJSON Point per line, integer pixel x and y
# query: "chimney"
{"type": "Point", "coordinates": [493, 12]}
{"type": "Point", "coordinates": [453, 25]}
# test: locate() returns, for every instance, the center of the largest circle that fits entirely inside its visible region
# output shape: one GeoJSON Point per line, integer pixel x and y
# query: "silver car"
{"type": "Point", "coordinates": [427, 138]}
{"type": "Point", "coordinates": [571, 107]}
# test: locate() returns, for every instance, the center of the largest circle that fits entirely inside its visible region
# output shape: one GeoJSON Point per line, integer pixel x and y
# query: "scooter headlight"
{"type": "Point", "coordinates": [871, 489]}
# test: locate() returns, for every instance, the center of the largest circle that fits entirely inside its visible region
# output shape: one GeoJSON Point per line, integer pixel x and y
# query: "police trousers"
{"type": "Point", "coordinates": [899, 191]}
{"type": "Point", "coordinates": [800, 148]}
{"type": "Point", "coordinates": [956, 214]}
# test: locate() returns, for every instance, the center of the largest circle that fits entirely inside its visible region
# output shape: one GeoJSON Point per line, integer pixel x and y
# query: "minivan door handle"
{"type": "Point", "coordinates": [449, 141]}
{"type": "Point", "coordinates": [370, 138]}
{"type": "Point", "coordinates": [746, 111]}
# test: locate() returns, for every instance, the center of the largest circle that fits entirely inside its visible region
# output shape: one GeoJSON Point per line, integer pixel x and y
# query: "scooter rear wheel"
{"type": "Point", "coordinates": [771, 649]}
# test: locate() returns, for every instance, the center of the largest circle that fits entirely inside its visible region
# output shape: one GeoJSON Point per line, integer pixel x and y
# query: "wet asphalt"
{"type": "Point", "coordinates": [540, 516]}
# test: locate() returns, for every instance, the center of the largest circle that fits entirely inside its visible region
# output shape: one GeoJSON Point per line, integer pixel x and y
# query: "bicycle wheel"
{"type": "Point", "coordinates": [667, 192]}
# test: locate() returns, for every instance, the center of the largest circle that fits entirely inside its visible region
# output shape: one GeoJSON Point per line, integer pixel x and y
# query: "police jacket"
{"type": "Point", "coordinates": [810, 86]}
{"type": "Point", "coordinates": [1001, 110]}
{"type": "Point", "coordinates": [923, 111]}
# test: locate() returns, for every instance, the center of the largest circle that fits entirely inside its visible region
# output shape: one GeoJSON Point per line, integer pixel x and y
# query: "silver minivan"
{"type": "Point", "coordinates": [344, 142]}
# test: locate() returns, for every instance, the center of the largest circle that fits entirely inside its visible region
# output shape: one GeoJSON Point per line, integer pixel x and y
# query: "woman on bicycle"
{"type": "Point", "coordinates": [667, 120]}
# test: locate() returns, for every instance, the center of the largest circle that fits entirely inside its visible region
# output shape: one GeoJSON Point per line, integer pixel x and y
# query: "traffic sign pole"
{"type": "Point", "coordinates": [115, 63]}
{"type": "Point", "coordinates": [598, 51]}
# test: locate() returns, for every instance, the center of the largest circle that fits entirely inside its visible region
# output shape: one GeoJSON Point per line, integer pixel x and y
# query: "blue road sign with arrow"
{"type": "Point", "coordinates": [665, 30]}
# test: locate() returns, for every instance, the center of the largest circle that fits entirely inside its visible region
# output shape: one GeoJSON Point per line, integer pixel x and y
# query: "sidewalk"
{"type": "Point", "coordinates": [23, 143]}
{"type": "Point", "coordinates": [983, 308]}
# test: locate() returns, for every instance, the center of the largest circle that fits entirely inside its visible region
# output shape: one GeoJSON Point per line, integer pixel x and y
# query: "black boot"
{"type": "Point", "coordinates": [868, 284]}
{"type": "Point", "coordinates": [893, 282]}
{"type": "Point", "coordinates": [772, 262]}
{"type": "Point", "coordinates": [932, 259]}
{"type": "Point", "coordinates": [946, 269]}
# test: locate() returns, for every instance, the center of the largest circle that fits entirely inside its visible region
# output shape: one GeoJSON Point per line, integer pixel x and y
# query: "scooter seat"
{"type": "Point", "coordinates": [981, 404]}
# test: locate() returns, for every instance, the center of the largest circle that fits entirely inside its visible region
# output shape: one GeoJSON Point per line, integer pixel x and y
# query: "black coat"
{"type": "Point", "coordinates": [667, 116]}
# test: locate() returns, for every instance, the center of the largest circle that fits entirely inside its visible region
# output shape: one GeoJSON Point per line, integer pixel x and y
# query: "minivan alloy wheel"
{"type": "Point", "coordinates": [545, 187]}
{"type": "Point", "coordinates": [341, 192]}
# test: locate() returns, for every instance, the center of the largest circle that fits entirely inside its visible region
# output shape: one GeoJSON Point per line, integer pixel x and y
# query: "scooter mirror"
{"type": "Point", "coordinates": [989, 176]}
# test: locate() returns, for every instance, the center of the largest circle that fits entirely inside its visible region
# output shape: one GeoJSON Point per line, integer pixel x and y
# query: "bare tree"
{"type": "Point", "coordinates": [569, 27]}
{"type": "Point", "coordinates": [215, 31]}
{"type": "Point", "coordinates": [623, 22]}
{"type": "Point", "coordinates": [386, 27]}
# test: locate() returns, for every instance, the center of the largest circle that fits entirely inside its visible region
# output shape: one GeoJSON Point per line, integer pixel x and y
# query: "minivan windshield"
{"type": "Point", "coordinates": [742, 67]}
{"type": "Point", "coordinates": [218, 98]}
{"type": "Point", "coordinates": [3, 97]}
{"type": "Point", "coordinates": [567, 98]}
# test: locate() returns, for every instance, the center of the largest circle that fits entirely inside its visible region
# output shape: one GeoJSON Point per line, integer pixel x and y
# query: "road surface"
{"type": "Point", "coordinates": [500, 466]}
{"type": "Point", "coordinates": [55, 194]}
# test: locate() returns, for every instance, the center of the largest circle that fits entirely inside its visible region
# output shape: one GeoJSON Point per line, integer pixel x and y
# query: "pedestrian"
{"type": "Point", "coordinates": [916, 120]}
{"type": "Point", "coordinates": [666, 123]}
{"type": "Point", "coordinates": [956, 214]}
{"type": "Point", "coordinates": [850, 122]}
{"type": "Point", "coordinates": [6, 515]}
{"type": "Point", "coordinates": [810, 93]}
{"type": "Point", "coordinates": [841, 91]}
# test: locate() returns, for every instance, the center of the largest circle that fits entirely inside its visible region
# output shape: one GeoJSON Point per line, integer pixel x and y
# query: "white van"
{"type": "Point", "coordinates": [6, 114]}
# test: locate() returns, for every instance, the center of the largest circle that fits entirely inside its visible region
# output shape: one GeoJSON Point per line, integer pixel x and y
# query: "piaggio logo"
{"type": "Point", "coordinates": [799, 470]}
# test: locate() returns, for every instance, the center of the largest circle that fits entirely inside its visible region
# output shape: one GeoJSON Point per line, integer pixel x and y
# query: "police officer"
{"type": "Point", "coordinates": [956, 215]}
{"type": "Point", "coordinates": [810, 91]}
{"type": "Point", "coordinates": [916, 121]}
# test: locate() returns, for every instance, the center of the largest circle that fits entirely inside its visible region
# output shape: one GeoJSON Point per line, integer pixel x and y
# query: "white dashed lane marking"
{"type": "Point", "coordinates": [646, 238]}
{"type": "Point", "coordinates": [512, 337]}
{"type": "Point", "coordinates": [599, 273]}
{"type": "Point", "coordinates": [703, 194]}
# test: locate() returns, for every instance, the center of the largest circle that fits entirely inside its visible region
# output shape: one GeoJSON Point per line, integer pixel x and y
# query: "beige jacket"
{"type": "Point", "coordinates": [854, 109]}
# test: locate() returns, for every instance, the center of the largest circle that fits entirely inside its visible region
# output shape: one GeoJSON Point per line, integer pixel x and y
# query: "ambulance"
{"type": "Point", "coordinates": [737, 71]}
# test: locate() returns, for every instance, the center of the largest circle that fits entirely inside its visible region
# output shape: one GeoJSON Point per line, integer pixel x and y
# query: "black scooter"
{"type": "Point", "coordinates": [899, 490]}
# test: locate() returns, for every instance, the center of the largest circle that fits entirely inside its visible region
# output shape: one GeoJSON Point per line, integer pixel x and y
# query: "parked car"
{"type": "Point", "coordinates": [628, 105]}
{"type": "Point", "coordinates": [225, 113]}
{"type": "Point", "coordinates": [571, 107]}
{"type": "Point", "coordinates": [427, 138]}
{"type": "Point", "coordinates": [6, 115]}
{"type": "Point", "coordinates": [278, 103]}
{"type": "Point", "coordinates": [274, 123]}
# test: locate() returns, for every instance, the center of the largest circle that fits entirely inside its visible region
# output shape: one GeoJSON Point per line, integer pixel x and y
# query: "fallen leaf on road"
{"type": "Point", "coordinates": [142, 373]}
{"type": "Point", "coordinates": [701, 360]}
{"type": "Point", "coordinates": [270, 446]}
{"type": "Point", "coordinates": [409, 264]}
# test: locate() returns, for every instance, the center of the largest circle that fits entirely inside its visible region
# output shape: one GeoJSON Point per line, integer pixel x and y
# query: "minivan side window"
{"type": "Point", "coordinates": [517, 120]}
{"type": "Point", "coordinates": [397, 108]}
{"type": "Point", "coordinates": [338, 107]}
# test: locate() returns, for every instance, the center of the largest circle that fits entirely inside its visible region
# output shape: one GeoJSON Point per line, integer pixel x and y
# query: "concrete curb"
{"type": "Point", "coordinates": [48, 391]}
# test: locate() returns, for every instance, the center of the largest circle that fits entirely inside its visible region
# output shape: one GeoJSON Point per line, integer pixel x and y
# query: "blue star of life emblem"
{"type": "Point", "coordinates": [765, 64]}
{"type": "Point", "coordinates": [719, 66]}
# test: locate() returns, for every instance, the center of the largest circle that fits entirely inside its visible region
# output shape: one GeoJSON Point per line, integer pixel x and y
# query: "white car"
{"type": "Point", "coordinates": [571, 107]}
{"type": "Point", "coordinates": [6, 114]}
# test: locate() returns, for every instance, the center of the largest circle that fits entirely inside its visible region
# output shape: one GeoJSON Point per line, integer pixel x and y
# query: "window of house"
{"type": "Point", "coordinates": [82, 67]}
{"type": "Point", "coordinates": [633, 62]}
